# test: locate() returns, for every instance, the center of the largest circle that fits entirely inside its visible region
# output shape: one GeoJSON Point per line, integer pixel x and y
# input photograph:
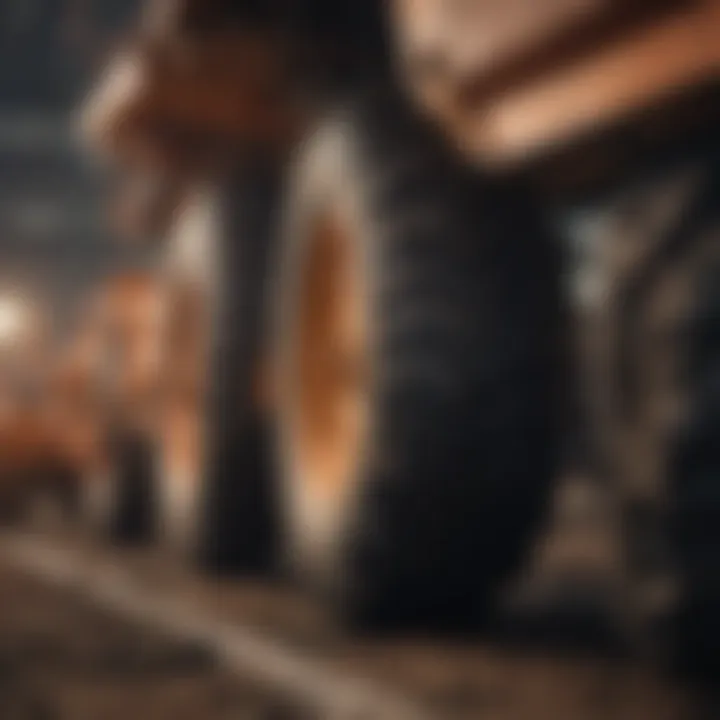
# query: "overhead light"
{"type": "Point", "coordinates": [14, 319]}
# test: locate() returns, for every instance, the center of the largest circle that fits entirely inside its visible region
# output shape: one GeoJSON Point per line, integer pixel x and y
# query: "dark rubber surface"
{"type": "Point", "coordinates": [236, 528]}
{"type": "Point", "coordinates": [466, 318]}
{"type": "Point", "coordinates": [131, 518]}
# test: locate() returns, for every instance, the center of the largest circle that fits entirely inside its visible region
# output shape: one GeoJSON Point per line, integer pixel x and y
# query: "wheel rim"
{"type": "Point", "coordinates": [329, 363]}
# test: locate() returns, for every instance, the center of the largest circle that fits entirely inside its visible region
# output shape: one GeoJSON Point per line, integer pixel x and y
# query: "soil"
{"type": "Point", "coordinates": [63, 659]}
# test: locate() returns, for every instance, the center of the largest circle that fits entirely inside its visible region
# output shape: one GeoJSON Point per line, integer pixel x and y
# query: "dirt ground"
{"type": "Point", "coordinates": [64, 657]}
{"type": "Point", "coordinates": [61, 659]}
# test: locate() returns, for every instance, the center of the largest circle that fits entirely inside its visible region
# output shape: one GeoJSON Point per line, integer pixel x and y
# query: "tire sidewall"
{"type": "Point", "coordinates": [189, 267]}
{"type": "Point", "coordinates": [317, 523]}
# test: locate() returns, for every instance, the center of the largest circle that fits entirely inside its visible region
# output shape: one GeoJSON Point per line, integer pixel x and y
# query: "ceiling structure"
{"type": "Point", "coordinates": [54, 237]}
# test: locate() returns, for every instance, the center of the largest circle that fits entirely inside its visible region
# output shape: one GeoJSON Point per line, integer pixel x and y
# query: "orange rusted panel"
{"type": "Point", "coordinates": [479, 36]}
{"type": "Point", "coordinates": [508, 79]}
{"type": "Point", "coordinates": [175, 102]}
{"type": "Point", "coordinates": [619, 79]}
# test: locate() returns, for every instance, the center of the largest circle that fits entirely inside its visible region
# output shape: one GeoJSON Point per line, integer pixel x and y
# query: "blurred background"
{"type": "Point", "coordinates": [584, 161]}
{"type": "Point", "coordinates": [55, 236]}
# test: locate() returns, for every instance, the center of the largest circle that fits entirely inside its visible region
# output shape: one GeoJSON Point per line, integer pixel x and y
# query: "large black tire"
{"type": "Point", "coordinates": [461, 292]}
{"type": "Point", "coordinates": [662, 394]}
{"type": "Point", "coordinates": [120, 503]}
{"type": "Point", "coordinates": [227, 524]}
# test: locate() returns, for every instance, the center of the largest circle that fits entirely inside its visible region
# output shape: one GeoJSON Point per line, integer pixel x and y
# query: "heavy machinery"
{"type": "Point", "coordinates": [416, 404]}
{"type": "Point", "coordinates": [35, 471]}
{"type": "Point", "coordinates": [103, 403]}
{"type": "Point", "coordinates": [73, 408]}
{"type": "Point", "coordinates": [34, 468]}
{"type": "Point", "coordinates": [417, 332]}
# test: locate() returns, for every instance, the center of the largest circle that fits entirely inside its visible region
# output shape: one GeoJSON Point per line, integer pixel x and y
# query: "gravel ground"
{"type": "Point", "coordinates": [61, 659]}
